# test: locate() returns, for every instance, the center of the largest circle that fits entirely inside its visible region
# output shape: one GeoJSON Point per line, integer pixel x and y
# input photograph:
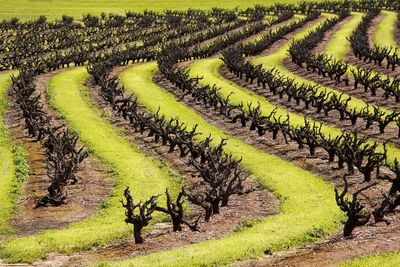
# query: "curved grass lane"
{"type": "Point", "coordinates": [384, 33]}
{"type": "Point", "coordinates": [13, 165]}
{"type": "Point", "coordinates": [307, 202]}
{"type": "Point", "coordinates": [145, 176]}
{"type": "Point", "coordinates": [389, 259]}
{"type": "Point", "coordinates": [339, 46]}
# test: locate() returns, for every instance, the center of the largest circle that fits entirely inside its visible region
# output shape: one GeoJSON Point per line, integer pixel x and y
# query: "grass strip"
{"type": "Point", "coordinates": [384, 33]}
{"type": "Point", "coordinates": [389, 259]}
{"type": "Point", "coordinates": [145, 176]}
{"type": "Point", "coordinates": [338, 46]}
{"type": "Point", "coordinates": [13, 164]}
{"type": "Point", "coordinates": [305, 197]}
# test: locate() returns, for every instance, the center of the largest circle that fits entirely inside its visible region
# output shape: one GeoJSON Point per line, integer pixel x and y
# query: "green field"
{"type": "Point", "coordinates": [54, 9]}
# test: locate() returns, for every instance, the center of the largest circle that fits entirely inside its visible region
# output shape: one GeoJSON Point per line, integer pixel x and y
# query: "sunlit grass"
{"type": "Point", "coordinates": [390, 259]}
{"type": "Point", "coordinates": [28, 9]}
{"type": "Point", "coordinates": [384, 33]}
{"type": "Point", "coordinates": [13, 165]}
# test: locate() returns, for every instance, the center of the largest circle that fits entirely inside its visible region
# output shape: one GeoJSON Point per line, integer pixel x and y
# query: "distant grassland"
{"type": "Point", "coordinates": [54, 9]}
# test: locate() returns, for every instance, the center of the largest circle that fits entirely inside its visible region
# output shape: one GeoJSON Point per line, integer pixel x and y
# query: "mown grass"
{"type": "Point", "coordinates": [390, 259]}
{"type": "Point", "coordinates": [307, 203]}
{"type": "Point", "coordinates": [54, 9]}
{"type": "Point", "coordinates": [338, 46]}
{"type": "Point", "coordinates": [13, 164]}
{"type": "Point", "coordinates": [384, 33]}
{"type": "Point", "coordinates": [144, 175]}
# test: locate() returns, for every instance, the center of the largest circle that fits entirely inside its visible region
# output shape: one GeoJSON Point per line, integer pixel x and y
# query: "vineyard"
{"type": "Point", "coordinates": [259, 136]}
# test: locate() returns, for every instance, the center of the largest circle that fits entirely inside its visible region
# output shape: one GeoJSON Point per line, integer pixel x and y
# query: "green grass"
{"type": "Point", "coordinates": [54, 9]}
{"type": "Point", "coordinates": [13, 165]}
{"type": "Point", "coordinates": [145, 176]}
{"type": "Point", "coordinates": [384, 33]}
{"type": "Point", "coordinates": [390, 259]}
{"type": "Point", "coordinates": [307, 203]}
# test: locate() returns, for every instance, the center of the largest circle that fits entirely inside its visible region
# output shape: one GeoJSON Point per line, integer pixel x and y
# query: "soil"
{"type": "Point", "coordinates": [84, 198]}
